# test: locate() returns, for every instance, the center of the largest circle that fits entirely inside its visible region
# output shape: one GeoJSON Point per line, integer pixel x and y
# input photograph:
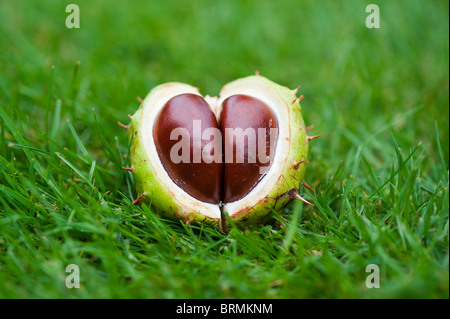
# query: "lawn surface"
{"type": "Point", "coordinates": [379, 96]}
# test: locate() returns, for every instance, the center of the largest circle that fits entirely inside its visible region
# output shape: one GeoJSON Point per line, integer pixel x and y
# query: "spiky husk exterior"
{"type": "Point", "coordinates": [294, 169]}
{"type": "Point", "coordinates": [150, 190]}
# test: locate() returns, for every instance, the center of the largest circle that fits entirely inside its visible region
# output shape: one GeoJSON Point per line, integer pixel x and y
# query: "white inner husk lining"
{"type": "Point", "coordinates": [162, 94]}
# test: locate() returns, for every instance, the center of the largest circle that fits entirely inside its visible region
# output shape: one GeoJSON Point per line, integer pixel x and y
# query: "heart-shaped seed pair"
{"type": "Point", "coordinates": [216, 160]}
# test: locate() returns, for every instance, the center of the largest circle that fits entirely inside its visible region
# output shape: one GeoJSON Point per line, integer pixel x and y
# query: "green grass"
{"type": "Point", "coordinates": [379, 96]}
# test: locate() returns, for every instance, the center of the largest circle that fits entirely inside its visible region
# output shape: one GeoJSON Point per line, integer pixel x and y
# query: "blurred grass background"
{"type": "Point", "coordinates": [375, 94]}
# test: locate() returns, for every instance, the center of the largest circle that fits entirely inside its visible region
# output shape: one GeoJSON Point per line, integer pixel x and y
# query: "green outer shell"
{"type": "Point", "coordinates": [147, 184]}
{"type": "Point", "coordinates": [293, 172]}
{"type": "Point", "coordinates": [166, 204]}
